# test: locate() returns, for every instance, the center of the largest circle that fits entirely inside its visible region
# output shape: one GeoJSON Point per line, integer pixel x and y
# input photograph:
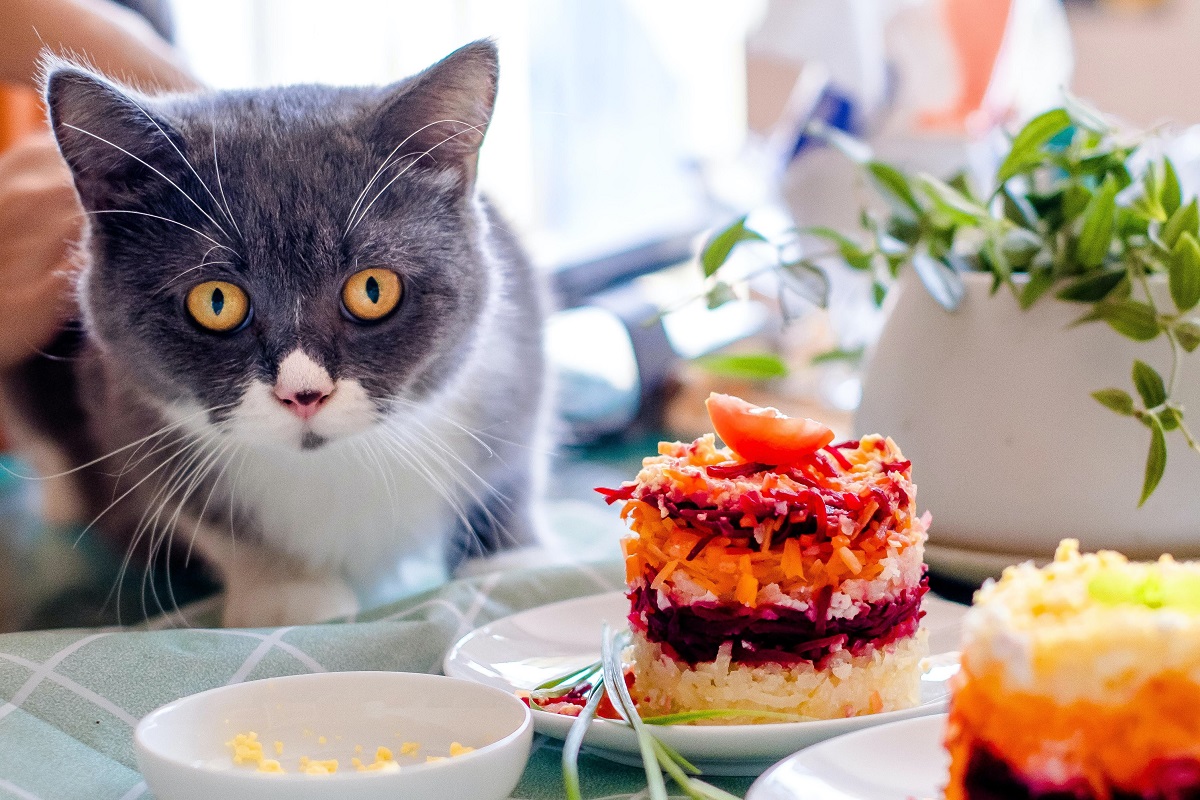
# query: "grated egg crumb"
{"type": "Point", "coordinates": [312, 767]}
{"type": "Point", "coordinates": [246, 748]}
{"type": "Point", "coordinates": [457, 749]}
{"type": "Point", "coordinates": [410, 748]}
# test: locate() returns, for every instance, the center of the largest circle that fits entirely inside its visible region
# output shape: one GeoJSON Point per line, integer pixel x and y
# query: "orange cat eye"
{"type": "Point", "coordinates": [372, 294]}
{"type": "Point", "coordinates": [218, 306]}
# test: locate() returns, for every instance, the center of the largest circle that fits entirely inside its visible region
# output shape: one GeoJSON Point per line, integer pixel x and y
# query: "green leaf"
{"type": "Point", "coordinates": [748, 366]}
{"type": "Point", "coordinates": [960, 208]}
{"type": "Point", "coordinates": [1130, 318]}
{"type": "Point", "coordinates": [1170, 418]}
{"type": "Point", "coordinates": [1096, 236]}
{"type": "Point", "coordinates": [1018, 210]}
{"type": "Point", "coordinates": [1156, 460]}
{"type": "Point", "coordinates": [1116, 399]}
{"type": "Point", "coordinates": [941, 280]}
{"type": "Point", "coordinates": [878, 292]}
{"type": "Point", "coordinates": [807, 280]}
{"type": "Point", "coordinates": [719, 295]}
{"type": "Point", "coordinates": [1020, 246]}
{"type": "Point", "coordinates": [1187, 333]}
{"type": "Point", "coordinates": [1074, 200]}
{"type": "Point", "coordinates": [1026, 147]}
{"type": "Point", "coordinates": [1037, 285]}
{"type": "Point", "coordinates": [1185, 219]}
{"type": "Point", "coordinates": [1092, 288]}
{"type": "Point", "coordinates": [895, 183]}
{"type": "Point", "coordinates": [719, 247]}
{"type": "Point", "coordinates": [1170, 194]}
{"type": "Point", "coordinates": [850, 251]}
{"type": "Point", "coordinates": [1085, 115]}
{"type": "Point", "coordinates": [1183, 268]}
{"type": "Point", "coordinates": [1149, 384]}
{"type": "Point", "coordinates": [837, 354]}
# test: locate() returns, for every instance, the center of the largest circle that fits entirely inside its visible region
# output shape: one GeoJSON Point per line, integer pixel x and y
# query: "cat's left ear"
{"type": "Point", "coordinates": [441, 114]}
{"type": "Point", "coordinates": [109, 137]}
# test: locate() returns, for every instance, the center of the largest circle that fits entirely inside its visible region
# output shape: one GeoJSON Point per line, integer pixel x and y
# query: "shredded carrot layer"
{"type": "Point", "coordinates": [1106, 745]}
{"type": "Point", "coordinates": [736, 528]}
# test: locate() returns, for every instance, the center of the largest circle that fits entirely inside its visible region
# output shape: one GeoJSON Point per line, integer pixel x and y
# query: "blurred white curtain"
{"type": "Point", "coordinates": [608, 111]}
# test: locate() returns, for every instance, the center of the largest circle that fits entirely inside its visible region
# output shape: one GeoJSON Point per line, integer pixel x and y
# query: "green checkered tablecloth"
{"type": "Point", "coordinates": [69, 699]}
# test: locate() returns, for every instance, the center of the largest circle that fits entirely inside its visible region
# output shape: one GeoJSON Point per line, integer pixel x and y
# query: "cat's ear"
{"type": "Point", "coordinates": [107, 134]}
{"type": "Point", "coordinates": [441, 114]}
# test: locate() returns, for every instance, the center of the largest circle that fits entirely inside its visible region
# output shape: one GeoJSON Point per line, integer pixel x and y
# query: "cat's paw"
{"type": "Point", "coordinates": [297, 601]}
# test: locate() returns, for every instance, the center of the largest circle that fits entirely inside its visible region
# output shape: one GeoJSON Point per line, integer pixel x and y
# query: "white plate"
{"type": "Point", "coordinates": [182, 754]}
{"type": "Point", "coordinates": [906, 762]}
{"type": "Point", "coordinates": [527, 649]}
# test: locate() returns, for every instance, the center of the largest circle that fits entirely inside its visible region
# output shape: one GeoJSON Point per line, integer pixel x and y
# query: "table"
{"type": "Point", "coordinates": [71, 698]}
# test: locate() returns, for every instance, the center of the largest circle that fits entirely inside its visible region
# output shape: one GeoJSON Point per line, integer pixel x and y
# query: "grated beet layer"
{"type": "Point", "coordinates": [771, 633]}
{"type": "Point", "coordinates": [989, 777]}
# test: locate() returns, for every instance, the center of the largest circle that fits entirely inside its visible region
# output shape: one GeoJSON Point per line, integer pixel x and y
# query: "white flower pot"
{"type": "Point", "coordinates": [1009, 451]}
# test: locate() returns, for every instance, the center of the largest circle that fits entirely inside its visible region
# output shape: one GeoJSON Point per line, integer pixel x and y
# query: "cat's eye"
{"type": "Point", "coordinates": [372, 294]}
{"type": "Point", "coordinates": [218, 306]}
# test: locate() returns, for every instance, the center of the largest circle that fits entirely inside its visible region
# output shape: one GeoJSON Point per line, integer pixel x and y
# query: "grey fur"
{"type": "Point", "coordinates": [272, 207]}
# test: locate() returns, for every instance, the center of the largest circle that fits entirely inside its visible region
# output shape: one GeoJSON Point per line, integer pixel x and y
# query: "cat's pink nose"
{"type": "Point", "coordinates": [303, 404]}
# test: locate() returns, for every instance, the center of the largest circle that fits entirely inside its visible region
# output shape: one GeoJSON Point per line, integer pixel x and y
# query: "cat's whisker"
{"type": "Point", "coordinates": [216, 483]}
{"type": "Point", "coordinates": [199, 208]}
{"type": "Point", "coordinates": [480, 502]}
{"type": "Point", "coordinates": [131, 549]}
{"type": "Point", "coordinates": [415, 464]}
{"type": "Point", "coordinates": [362, 214]}
{"type": "Point", "coordinates": [432, 440]}
{"type": "Point", "coordinates": [381, 464]}
{"type": "Point", "coordinates": [198, 479]}
{"type": "Point", "coordinates": [186, 162]}
{"type": "Point", "coordinates": [221, 186]}
{"type": "Point", "coordinates": [164, 219]}
{"type": "Point", "coordinates": [167, 285]}
{"type": "Point", "coordinates": [384, 165]}
{"type": "Point", "coordinates": [121, 449]}
{"type": "Point", "coordinates": [389, 482]}
{"type": "Point", "coordinates": [148, 523]}
{"type": "Point", "coordinates": [237, 477]}
{"type": "Point", "coordinates": [425, 409]}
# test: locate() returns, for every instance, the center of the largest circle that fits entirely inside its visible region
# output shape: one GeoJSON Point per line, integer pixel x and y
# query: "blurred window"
{"type": "Point", "coordinates": [609, 112]}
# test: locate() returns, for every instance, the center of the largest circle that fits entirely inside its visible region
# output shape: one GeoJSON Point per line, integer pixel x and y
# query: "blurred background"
{"type": "Point", "coordinates": [626, 131]}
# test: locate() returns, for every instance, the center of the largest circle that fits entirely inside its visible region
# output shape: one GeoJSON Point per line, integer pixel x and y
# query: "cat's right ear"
{"type": "Point", "coordinates": [109, 138]}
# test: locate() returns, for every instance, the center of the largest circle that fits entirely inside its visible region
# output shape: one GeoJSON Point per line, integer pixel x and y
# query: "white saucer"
{"type": "Point", "coordinates": [530, 648]}
{"type": "Point", "coordinates": [900, 761]}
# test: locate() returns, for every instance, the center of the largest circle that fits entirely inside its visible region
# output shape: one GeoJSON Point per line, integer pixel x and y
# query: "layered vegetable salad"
{"type": "Point", "coordinates": [1080, 680]}
{"type": "Point", "coordinates": [787, 581]}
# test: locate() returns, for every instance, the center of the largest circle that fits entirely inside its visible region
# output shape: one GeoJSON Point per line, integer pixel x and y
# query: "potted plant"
{"type": "Point", "coordinates": [1076, 272]}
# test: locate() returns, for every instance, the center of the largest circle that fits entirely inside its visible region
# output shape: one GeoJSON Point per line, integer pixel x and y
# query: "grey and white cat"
{"type": "Point", "coordinates": [309, 348]}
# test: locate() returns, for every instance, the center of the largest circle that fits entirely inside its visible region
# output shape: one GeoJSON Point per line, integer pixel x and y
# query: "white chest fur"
{"type": "Point", "coordinates": [353, 507]}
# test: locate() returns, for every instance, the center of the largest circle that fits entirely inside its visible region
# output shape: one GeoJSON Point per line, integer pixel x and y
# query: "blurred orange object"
{"type": "Point", "coordinates": [976, 29]}
{"type": "Point", "coordinates": [20, 113]}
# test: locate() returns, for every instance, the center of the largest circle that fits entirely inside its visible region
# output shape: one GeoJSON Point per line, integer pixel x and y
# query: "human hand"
{"type": "Point", "coordinates": [40, 221]}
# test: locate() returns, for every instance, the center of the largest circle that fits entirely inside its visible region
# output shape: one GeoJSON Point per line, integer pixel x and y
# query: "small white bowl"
{"type": "Point", "coordinates": [183, 755]}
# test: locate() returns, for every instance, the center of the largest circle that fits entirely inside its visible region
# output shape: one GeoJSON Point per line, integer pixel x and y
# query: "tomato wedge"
{"type": "Point", "coordinates": [764, 434]}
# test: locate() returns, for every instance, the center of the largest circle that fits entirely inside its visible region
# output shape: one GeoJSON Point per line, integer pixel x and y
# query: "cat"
{"type": "Point", "coordinates": [309, 347]}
